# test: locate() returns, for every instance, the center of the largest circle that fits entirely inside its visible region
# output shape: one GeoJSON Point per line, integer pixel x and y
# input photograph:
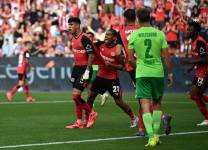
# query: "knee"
{"type": "Point", "coordinates": [75, 96]}
{"type": "Point", "coordinates": [21, 83]}
{"type": "Point", "coordinates": [194, 97]}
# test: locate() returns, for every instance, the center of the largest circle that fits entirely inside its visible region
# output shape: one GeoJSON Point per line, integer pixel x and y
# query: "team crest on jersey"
{"type": "Point", "coordinates": [113, 54]}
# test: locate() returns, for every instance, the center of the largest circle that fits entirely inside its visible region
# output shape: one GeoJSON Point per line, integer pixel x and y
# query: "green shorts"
{"type": "Point", "coordinates": [149, 87]}
{"type": "Point", "coordinates": [94, 73]}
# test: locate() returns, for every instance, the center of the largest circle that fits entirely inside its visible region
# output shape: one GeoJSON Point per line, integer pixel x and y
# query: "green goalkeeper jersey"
{"type": "Point", "coordinates": [147, 43]}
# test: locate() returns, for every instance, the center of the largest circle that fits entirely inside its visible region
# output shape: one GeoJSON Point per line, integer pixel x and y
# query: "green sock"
{"type": "Point", "coordinates": [156, 120]}
{"type": "Point", "coordinates": [148, 123]}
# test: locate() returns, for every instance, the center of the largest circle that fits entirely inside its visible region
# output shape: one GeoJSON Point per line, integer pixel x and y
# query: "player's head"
{"type": "Point", "coordinates": [110, 37]}
{"type": "Point", "coordinates": [74, 24]}
{"type": "Point", "coordinates": [129, 15]}
{"type": "Point", "coordinates": [28, 45]}
{"type": "Point", "coordinates": [91, 35]}
{"type": "Point", "coordinates": [193, 29]}
{"type": "Point", "coordinates": [143, 15]}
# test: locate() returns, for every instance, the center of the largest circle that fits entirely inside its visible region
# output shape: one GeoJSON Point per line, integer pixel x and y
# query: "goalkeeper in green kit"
{"type": "Point", "coordinates": [149, 45]}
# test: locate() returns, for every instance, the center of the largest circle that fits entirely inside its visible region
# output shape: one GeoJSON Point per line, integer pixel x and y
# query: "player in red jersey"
{"type": "Point", "coordinates": [107, 75]}
{"type": "Point", "coordinates": [125, 31]}
{"type": "Point", "coordinates": [199, 62]}
{"type": "Point", "coordinates": [22, 68]}
{"type": "Point", "coordinates": [83, 50]}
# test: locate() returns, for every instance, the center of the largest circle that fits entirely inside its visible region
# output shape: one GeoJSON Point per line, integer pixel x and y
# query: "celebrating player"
{"type": "Point", "coordinates": [95, 70]}
{"type": "Point", "coordinates": [107, 75]}
{"type": "Point", "coordinates": [199, 62]}
{"type": "Point", "coordinates": [22, 68]}
{"type": "Point", "coordinates": [83, 50]}
{"type": "Point", "coordinates": [148, 44]}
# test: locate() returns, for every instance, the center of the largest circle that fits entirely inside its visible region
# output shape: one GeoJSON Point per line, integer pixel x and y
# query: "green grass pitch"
{"type": "Point", "coordinates": [39, 125]}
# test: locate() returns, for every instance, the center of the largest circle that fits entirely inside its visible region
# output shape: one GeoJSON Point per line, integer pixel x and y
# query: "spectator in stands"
{"type": "Point", "coordinates": [160, 16]}
{"type": "Point", "coordinates": [171, 32]}
{"type": "Point", "coordinates": [6, 48]}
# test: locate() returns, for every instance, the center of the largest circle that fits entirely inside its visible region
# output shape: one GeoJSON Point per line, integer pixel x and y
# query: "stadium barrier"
{"type": "Point", "coordinates": [57, 78]}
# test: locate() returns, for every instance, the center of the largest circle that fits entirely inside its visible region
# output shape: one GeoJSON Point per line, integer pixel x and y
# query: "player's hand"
{"type": "Point", "coordinates": [86, 75]}
{"type": "Point", "coordinates": [170, 79]}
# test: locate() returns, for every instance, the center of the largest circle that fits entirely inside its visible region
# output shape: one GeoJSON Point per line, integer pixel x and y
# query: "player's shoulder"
{"type": "Point", "coordinates": [134, 34]}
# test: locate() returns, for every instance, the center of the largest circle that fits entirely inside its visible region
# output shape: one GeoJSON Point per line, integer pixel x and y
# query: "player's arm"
{"type": "Point", "coordinates": [131, 52]}
{"type": "Point", "coordinates": [132, 60]}
{"type": "Point", "coordinates": [167, 59]}
{"type": "Point", "coordinates": [121, 62]}
{"type": "Point", "coordinates": [27, 56]}
{"type": "Point", "coordinates": [202, 51]}
{"type": "Point", "coordinates": [88, 46]}
{"type": "Point", "coordinates": [168, 63]}
{"type": "Point", "coordinates": [120, 47]}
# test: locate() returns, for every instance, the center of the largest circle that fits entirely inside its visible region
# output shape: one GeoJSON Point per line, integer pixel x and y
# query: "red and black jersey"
{"type": "Point", "coordinates": [199, 50]}
{"type": "Point", "coordinates": [125, 32]}
{"type": "Point", "coordinates": [22, 61]}
{"type": "Point", "coordinates": [82, 46]}
{"type": "Point", "coordinates": [108, 54]}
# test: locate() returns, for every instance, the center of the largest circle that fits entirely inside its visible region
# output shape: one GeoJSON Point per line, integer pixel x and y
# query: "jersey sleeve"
{"type": "Point", "coordinates": [131, 40]}
{"type": "Point", "coordinates": [201, 47]}
{"type": "Point", "coordinates": [164, 41]}
{"type": "Point", "coordinates": [88, 45]}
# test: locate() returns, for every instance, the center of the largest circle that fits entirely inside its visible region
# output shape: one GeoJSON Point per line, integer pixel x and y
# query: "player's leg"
{"type": "Point", "coordinates": [16, 87]}
{"type": "Point", "coordinates": [197, 91]}
{"type": "Point", "coordinates": [29, 98]}
{"type": "Point", "coordinates": [78, 87]}
{"type": "Point", "coordinates": [115, 91]}
{"type": "Point", "coordinates": [141, 131]}
{"type": "Point", "coordinates": [157, 93]}
{"type": "Point", "coordinates": [205, 98]}
{"type": "Point", "coordinates": [144, 94]}
{"type": "Point", "coordinates": [98, 86]}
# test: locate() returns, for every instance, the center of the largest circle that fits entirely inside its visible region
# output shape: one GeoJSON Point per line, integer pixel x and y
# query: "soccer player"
{"type": "Point", "coordinates": [148, 44]}
{"type": "Point", "coordinates": [22, 68]}
{"type": "Point", "coordinates": [125, 31]}
{"type": "Point", "coordinates": [95, 68]}
{"type": "Point", "coordinates": [107, 75]}
{"type": "Point", "coordinates": [83, 50]}
{"type": "Point", "coordinates": [199, 62]}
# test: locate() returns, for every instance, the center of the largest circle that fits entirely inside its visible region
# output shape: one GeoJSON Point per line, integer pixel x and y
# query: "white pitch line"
{"type": "Point", "coordinates": [70, 101]}
{"type": "Point", "coordinates": [91, 140]}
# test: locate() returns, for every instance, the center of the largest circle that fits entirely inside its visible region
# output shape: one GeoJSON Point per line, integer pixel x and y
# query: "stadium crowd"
{"type": "Point", "coordinates": [45, 22]}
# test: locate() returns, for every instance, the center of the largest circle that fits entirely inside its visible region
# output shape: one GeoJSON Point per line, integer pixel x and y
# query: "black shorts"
{"type": "Point", "coordinates": [101, 85]}
{"type": "Point", "coordinates": [133, 77]}
{"type": "Point", "coordinates": [76, 77]}
{"type": "Point", "coordinates": [200, 82]}
{"type": "Point", "coordinates": [22, 77]}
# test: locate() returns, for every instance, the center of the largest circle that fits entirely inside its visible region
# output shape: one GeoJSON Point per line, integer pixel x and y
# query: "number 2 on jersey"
{"type": "Point", "coordinates": [148, 43]}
